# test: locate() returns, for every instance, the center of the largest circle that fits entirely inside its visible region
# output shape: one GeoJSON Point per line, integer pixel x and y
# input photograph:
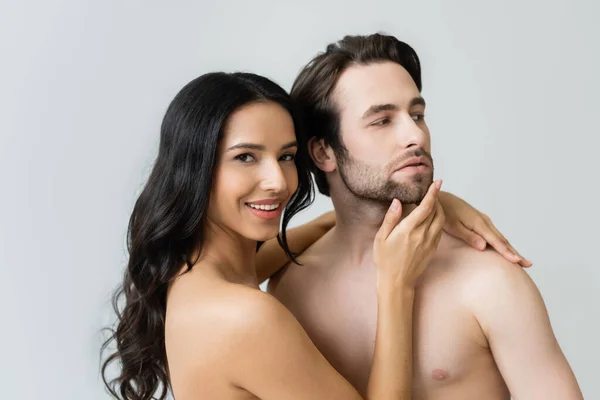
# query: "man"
{"type": "Point", "coordinates": [481, 328]}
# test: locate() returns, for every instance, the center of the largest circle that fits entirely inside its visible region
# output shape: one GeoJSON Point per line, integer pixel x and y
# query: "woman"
{"type": "Point", "coordinates": [231, 160]}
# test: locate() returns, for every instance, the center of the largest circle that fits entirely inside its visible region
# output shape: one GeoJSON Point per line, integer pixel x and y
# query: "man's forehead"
{"type": "Point", "coordinates": [361, 86]}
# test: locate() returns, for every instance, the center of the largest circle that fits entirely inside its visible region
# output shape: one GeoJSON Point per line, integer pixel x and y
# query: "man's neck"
{"type": "Point", "coordinates": [357, 224]}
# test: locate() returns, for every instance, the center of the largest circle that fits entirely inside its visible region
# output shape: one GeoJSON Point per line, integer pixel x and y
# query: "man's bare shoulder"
{"type": "Point", "coordinates": [480, 274]}
{"type": "Point", "coordinates": [460, 258]}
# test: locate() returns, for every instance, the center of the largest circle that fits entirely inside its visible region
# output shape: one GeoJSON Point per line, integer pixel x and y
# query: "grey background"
{"type": "Point", "coordinates": [512, 88]}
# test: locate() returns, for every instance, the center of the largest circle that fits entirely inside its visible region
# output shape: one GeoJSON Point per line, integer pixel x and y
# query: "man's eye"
{"type": "Point", "coordinates": [418, 117]}
{"type": "Point", "coordinates": [381, 122]}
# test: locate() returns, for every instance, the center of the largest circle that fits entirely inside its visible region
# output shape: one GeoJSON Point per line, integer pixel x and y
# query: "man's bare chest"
{"type": "Point", "coordinates": [340, 316]}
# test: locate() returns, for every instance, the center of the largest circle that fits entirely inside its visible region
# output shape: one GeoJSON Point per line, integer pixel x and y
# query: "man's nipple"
{"type": "Point", "coordinates": [440, 374]}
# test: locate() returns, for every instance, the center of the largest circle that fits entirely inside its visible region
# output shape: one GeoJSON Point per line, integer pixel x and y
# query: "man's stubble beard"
{"type": "Point", "coordinates": [372, 184]}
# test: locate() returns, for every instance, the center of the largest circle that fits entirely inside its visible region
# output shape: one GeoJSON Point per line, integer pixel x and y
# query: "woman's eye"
{"type": "Point", "coordinates": [418, 117]}
{"type": "Point", "coordinates": [288, 157]}
{"type": "Point", "coordinates": [245, 158]}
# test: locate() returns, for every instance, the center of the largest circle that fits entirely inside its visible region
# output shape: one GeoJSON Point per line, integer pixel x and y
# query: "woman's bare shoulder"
{"type": "Point", "coordinates": [205, 309]}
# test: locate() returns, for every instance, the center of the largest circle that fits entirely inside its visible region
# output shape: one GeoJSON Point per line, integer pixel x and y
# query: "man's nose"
{"type": "Point", "coordinates": [410, 134]}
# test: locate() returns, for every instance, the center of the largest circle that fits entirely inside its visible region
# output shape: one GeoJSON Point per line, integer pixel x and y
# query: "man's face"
{"type": "Point", "coordinates": [386, 139]}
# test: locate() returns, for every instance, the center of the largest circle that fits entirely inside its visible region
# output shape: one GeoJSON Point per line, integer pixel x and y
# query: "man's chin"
{"type": "Point", "coordinates": [411, 194]}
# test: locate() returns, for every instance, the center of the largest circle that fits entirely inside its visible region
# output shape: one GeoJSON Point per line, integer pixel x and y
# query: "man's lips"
{"type": "Point", "coordinates": [416, 164]}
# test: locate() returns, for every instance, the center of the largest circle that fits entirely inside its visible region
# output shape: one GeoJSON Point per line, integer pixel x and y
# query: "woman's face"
{"type": "Point", "coordinates": [256, 172]}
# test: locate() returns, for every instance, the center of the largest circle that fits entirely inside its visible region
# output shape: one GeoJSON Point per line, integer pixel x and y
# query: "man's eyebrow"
{"type": "Point", "coordinates": [377, 108]}
{"type": "Point", "coordinates": [417, 101]}
{"type": "Point", "coordinates": [253, 146]}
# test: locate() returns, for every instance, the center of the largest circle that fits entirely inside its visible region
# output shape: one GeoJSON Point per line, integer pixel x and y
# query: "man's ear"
{"type": "Point", "coordinates": [322, 154]}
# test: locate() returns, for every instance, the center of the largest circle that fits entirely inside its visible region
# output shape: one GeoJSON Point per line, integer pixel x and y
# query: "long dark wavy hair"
{"type": "Point", "coordinates": [166, 225]}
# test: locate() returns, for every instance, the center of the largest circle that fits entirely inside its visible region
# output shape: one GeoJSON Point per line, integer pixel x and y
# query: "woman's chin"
{"type": "Point", "coordinates": [264, 234]}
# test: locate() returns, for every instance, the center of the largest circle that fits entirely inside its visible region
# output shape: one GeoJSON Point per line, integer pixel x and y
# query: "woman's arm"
{"type": "Point", "coordinates": [270, 258]}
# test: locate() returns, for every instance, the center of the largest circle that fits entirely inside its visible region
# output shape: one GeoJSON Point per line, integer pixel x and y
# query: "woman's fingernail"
{"type": "Point", "coordinates": [395, 204]}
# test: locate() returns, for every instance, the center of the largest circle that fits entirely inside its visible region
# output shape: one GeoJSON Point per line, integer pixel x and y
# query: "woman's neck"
{"type": "Point", "coordinates": [232, 254]}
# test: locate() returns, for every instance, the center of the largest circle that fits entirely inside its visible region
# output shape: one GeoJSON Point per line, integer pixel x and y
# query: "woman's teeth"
{"type": "Point", "coordinates": [264, 207]}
